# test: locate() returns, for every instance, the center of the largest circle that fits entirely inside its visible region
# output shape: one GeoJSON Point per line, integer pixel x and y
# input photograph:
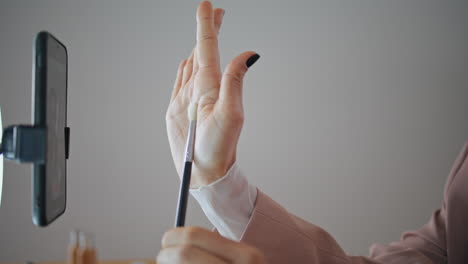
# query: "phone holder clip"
{"type": "Point", "coordinates": [27, 144]}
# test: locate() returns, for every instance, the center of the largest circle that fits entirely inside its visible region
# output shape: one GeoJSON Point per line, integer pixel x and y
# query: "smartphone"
{"type": "Point", "coordinates": [50, 71]}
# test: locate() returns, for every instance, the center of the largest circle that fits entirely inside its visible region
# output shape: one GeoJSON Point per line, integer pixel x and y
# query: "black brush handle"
{"type": "Point", "coordinates": [183, 195]}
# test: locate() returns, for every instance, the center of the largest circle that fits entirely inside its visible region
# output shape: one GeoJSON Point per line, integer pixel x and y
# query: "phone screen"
{"type": "Point", "coordinates": [56, 88]}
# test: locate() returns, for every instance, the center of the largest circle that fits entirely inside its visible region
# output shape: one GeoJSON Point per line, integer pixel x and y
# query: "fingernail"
{"type": "Point", "coordinates": [224, 12]}
{"type": "Point", "coordinates": [252, 60]}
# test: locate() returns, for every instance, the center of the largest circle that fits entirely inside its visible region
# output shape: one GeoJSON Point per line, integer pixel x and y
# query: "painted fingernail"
{"type": "Point", "coordinates": [252, 60]}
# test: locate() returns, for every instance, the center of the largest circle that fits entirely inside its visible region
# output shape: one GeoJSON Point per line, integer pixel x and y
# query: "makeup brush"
{"type": "Point", "coordinates": [185, 183]}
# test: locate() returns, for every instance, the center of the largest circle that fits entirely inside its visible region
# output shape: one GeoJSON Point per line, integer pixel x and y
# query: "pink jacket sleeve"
{"type": "Point", "coordinates": [286, 238]}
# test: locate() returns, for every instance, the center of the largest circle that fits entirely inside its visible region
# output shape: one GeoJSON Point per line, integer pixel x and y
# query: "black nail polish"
{"type": "Point", "coordinates": [252, 60]}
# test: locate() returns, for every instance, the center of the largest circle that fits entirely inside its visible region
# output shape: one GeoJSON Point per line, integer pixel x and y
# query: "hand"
{"type": "Point", "coordinates": [197, 245]}
{"type": "Point", "coordinates": [219, 97]}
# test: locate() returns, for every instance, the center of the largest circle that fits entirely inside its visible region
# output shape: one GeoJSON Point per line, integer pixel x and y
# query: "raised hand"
{"type": "Point", "coordinates": [219, 97]}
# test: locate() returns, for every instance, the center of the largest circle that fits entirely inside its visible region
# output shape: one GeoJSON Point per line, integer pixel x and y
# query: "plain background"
{"type": "Point", "coordinates": [354, 114]}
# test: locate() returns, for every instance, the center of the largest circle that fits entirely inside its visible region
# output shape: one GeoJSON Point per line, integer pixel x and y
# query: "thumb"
{"type": "Point", "coordinates": [230, 94]}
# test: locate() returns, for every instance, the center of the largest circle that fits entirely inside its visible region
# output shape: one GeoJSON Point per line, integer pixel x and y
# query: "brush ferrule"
{"type": "Point", "coordinates": [190, 141]}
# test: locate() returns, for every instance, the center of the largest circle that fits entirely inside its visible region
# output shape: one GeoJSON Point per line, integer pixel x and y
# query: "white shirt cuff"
{"type": "Point", "coordinates": [228, 202]}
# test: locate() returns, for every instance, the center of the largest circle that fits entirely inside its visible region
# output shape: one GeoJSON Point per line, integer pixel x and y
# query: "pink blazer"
{"type": "Point", "coordinates": [285, 238]}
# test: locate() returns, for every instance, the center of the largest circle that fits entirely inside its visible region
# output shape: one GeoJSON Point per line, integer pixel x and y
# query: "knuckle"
{"type": "Point", "coordinates": [169, 116]}
{"type": "Point", "coordinates": [182, 64]}
{"type": "Point", "coordinates": [184, 253]}
{"type": "Point", "coordinates": [188, 64]}
{"type": "Point", "coordinates": [235, 77]}
{"type": "Point", "coordinates": [237, 116]}
{"type": "Point", "coordinates": [254, 256]}
{"type": "Point", "coordinates": [205, 18]}
{"type": "Point", "coordinates": [165, 238]}
{"type": "Point", "coordinates": [210, 68]}
{"type": "Point", "coordinates": [191, 234]}
{"type": "Point", "coordinates": [207, 37]}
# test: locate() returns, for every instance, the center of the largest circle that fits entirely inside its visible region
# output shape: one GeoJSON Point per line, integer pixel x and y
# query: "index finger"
{"type": "Point", "coordinates": [207, 37]}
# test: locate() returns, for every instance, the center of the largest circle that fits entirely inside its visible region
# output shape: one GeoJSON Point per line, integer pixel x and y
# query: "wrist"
{"type": "Point", "coordinates": [203, 177]}
{"type": "Point", "coordinates": [206, 176]}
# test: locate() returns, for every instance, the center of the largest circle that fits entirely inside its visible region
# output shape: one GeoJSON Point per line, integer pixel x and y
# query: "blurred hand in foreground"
{"type": "Point", "coordinates": [197, 245]}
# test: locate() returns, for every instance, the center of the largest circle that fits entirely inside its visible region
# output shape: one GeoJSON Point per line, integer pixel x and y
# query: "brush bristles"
{"type": "Point", "coordinates": [192, 111]}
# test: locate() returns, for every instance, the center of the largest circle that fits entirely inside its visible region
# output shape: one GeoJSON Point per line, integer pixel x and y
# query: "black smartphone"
{"type": "Point", "coordinates": [50, 70]}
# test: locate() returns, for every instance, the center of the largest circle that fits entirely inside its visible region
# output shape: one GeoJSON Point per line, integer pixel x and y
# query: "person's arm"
{"type": "Point", "coordinates": [283, 237]}
{"type": "Point", "coordinates": [430, 240]}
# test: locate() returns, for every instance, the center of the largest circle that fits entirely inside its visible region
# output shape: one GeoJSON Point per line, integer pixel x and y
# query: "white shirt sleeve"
{"type": "Point", "coordinates": [228, 202]}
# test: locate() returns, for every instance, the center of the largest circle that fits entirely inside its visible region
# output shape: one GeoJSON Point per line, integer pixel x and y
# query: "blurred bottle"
{"type": "Point", "coordinates": [73, 247]}
{"type": "Point", "coordinates": [86, 253]}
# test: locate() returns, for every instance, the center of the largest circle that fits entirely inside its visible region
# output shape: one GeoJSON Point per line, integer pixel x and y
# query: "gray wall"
{"type": "Point", "coordinates": [354, 114]}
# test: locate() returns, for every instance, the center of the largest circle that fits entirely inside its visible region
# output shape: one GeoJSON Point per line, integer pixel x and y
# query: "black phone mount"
{"type": "Point", "coordinates": [27, 144]}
